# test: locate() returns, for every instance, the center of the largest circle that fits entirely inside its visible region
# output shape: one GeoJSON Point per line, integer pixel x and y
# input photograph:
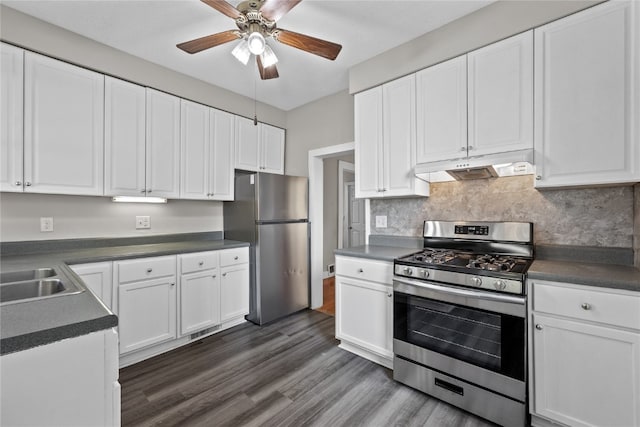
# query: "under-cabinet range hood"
{"type": "Point", "coordinates": [509, 163]}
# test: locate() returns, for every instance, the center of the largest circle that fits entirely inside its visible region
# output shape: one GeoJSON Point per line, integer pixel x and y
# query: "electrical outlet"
{"type": "Point", "coordinates": [381, 221]}
{"type": "Point", "coordinates": [143, 222]}
{"type": "Point", "coordinates": [46, 224]}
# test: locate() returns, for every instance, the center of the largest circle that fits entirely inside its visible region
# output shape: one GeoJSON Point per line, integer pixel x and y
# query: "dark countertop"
{"type": "Point", "coordinates": [382, 253]}
{"type": "Point", "coordinates": [610, 276]}
{"type": "Point", "coordinates": [33, 323]}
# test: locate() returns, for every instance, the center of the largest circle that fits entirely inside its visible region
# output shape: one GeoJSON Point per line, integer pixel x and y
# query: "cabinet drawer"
{"type": "Point", "coordinates": [198, 262]}
{"type": "Point", "coordinates": [365, 269]}
{"type": "Point", "coordinates": [234, 256]}
{"type": "Point", "coordinates": [146, 268]}
{"type": "Point", "coordinates": [580, 302]}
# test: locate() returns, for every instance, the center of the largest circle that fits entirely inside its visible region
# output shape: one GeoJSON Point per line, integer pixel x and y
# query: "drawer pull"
{"type": "Point", "coordinates": [389, 294]}
{"type": "Point", "coordinates": [585, 306]}
{"type": "Point", "coordinates": [539, 327]}
{"type": "Point", "coordinates": [201, 263]}
{"type": "Point", "coordinates": [149, 270]}
{"type": "Point", "coordinates": [173, 284]}
{"type": "Point", "coordinates": [224, 274]}
{"type": "Point", "coordinates": [214, 276]}
{"type": "Point", "coordinates": [235, 258]}
{"type": "Point", "coordinates": [360, 270]}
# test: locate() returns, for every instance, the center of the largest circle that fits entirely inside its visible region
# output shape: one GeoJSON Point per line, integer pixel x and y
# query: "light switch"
{"type": "Point", "coordinates": [381, 221]}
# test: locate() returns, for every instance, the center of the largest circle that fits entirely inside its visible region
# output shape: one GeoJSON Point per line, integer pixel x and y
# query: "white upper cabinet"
{"type": "Point", "coordinates": [259, 148]}
{"type": "Point", "coordinates": [11, 109]}
{"type": "Point", "coordinates": [63, 127]}
{"type": "Point", "coordinates": [442, 111]}
{"type": "Point", "coordinates": [124, 138]}
{"type": "Point", "coordinates": [385, 146]}
{"type": "Point", "coordinates": [163, 145]}
{"type": "Point", "coordinates": [207, 153]}
{"type": "Point", "coordinates": [500, 100]}
{"type": "Point", "coordinates": [587, 97]}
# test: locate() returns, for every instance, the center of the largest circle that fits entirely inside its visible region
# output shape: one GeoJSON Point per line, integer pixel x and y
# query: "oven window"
{"type": "Point", "coordinates": [490, 340]}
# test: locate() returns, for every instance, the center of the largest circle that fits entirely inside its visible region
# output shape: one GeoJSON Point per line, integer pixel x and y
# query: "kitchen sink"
{"type": "Point", "coordinates": [21, 276]}
{"type": "Point", "coordinates": [30, 289]}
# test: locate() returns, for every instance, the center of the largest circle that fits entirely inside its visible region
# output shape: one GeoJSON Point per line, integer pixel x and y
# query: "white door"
{"type": "Point", "coordinates": [234, 292]}
{"type": "Point", "coordinates": [11, 111]}
{"type": "Point", "coordinates": [368, 143]}
{"type": "Point", "coordinates": [199, 301]}
{"type": "Point", "coordinates": [356, 234]}
{"type": "Point", "coordinates": [588, 97]}
{"type": "Point", "coordinates": [247, 146]}
{"type": "Point", "coordinates": [146, 313]}
{"type": "Point", "coordinates": [585, 375]}
{"type": "Point", "coordinates": [98, 278]}
{"type": "Point", "coordinates": [272, 146]}
{"type": "Point", "coordinates": [124, 138]}
{"type": "Point", "coordinates": [195, 145]}
{"type": "Point", "coordinates": [441, 104]}
{"type": "Point", "coordinates": [399, 136]}
{"type": "Point", "coordinates": [221, 173]}
{"type": "Point", "coordinates": [500, 84]}
{"type": "Point", "coordinates": [63, 127]}
{"type": "Point", "coordinates": [163, 144]}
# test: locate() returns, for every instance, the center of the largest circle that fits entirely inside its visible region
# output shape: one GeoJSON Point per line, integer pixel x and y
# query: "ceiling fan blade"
{"type": "Point", "coordinates": [223, 7]}
{"type": "Point", "coordinates": [270, 72]}
{"type": "Point", "coordinates": [309, 44]}
{"type": "Point", "coordinates": [276, 9]}
{"type": "Point", "coordinates": [197, 45]}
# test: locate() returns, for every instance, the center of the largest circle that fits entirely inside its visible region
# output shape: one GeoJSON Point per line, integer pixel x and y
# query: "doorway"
{"type": "Point", "coordinates": [354, 226]}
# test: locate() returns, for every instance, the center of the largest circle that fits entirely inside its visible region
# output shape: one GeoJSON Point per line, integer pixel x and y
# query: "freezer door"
{"type": "Point", "coordinates": [282, 270]}
{"type": "Point", "coordinates": [281, 197]}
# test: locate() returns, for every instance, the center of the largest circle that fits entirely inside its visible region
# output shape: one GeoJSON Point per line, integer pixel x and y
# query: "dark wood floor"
{"type": "Point", "coordinates": [289, 373]}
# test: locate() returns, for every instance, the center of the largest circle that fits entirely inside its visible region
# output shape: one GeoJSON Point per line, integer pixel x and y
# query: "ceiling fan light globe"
{"type": "Point", "coordinates": [241, 52]}
{"type": "Point", "coordinates": [256, 43]}
{"type": "Point", "coordinates": [268, 57]}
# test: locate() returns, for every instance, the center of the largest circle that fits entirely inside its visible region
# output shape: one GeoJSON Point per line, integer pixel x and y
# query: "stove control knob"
{"type": "Point", "coordinates": [500, 285]}
{"type": "Point", "coordinates": [476, 281]}
{"type": "Point", "coordinates": [408, 271]}
{"type": "Point", "coordinates": [424, 273]}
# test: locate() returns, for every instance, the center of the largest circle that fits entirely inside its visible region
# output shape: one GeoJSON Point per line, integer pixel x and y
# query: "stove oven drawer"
{"type": "Point", "coordinates": [587, 303]}
{"type": "Point", "coordinates": [365, 269]}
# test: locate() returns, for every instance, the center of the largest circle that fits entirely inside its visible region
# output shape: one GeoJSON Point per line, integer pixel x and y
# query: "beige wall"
{"type": "Point", "coordinates": [487, 25]}
{"type": "Point", "coordinates": [322, 123]}
{"type": "Point", "coordinates": [330, 207]}
{"type": "Point", "coordinates": [84, 217]}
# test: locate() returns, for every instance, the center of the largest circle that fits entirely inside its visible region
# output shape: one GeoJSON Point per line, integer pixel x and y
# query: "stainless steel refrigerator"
{"type": "Point", "coordinates": [271, 212]}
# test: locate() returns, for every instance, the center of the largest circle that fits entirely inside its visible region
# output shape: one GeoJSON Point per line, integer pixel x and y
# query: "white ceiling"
{"type": "Point", "coordinates": [151, 30]}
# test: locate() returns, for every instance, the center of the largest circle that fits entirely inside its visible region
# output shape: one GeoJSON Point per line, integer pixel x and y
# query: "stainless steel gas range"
{"type": "Point", "coordinates": [460, 317]}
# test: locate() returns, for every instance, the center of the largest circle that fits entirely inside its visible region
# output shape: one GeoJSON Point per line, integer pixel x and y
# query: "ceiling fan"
{"type": "Point", "coordinates": [256, 21]}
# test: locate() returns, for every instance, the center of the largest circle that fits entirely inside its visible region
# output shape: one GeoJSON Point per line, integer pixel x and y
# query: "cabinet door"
{"type": "Point", "coordinates": [501, 96]}
{"type": "Point", "coordinates": [124, 138]}
{"type": "Point", "coordinates": [199, 301]}
{"type": "Point", "coordinates": [441, 105]}
{"type": "Point", "coordinates": [63, 127]}
{"type": "Point", "coordinates": [98, 278]}
{"type": "Point", "coordinates": [272, 146]}
{"type": "Point", "coordinates": [364, 314]}
{"type": "Point", "coordinates": [368, 143]}
{"type": "Point", "coordinates": [585, 375]}
{"type": "Point", "coordinates": [247, 146]}
{"type": "Point", "coordinates": [11, 111]}
{"type": "Point", "coordinates": [163, 145]}
{"type": "Point", "coordinates": [195, 145]}
{"type": "Point", "coordinates": [234, 292]}
{"type": "Point", "coordinates": [221, 173]}
{"type": "Point", "coordinates": [587, 97]}
{"type": "Point", "coordinates": [399, 136]}
{"type": "Point", "coordinates": [146, 313]}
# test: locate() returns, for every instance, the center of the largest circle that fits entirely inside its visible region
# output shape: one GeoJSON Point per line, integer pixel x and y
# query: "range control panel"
{"type": "Point", "coordinates": [475, 230]}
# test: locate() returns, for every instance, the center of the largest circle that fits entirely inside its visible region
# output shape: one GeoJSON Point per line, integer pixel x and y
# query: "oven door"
{"type": "Point", "coordinates": [474, 335]}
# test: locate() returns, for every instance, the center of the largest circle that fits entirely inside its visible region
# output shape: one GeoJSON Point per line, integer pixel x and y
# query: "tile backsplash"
{"type": "Point", "coordinates": [585, 217]}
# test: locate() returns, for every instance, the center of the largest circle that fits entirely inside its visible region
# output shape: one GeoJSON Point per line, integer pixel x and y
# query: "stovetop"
{"type": "Point", "coordinates": [467, 261]}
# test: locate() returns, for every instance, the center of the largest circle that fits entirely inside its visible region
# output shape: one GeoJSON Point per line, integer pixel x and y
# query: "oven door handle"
{"type": "Point", "coordinates": [504, 304]}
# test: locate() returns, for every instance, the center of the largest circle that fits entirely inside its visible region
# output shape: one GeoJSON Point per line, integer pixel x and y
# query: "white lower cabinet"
{"type": "Point", "coordinates": [364, 308]}
{"type": "Point", "coordinates": [585, 349]}
{"type": "Point", "coordinates": [98, 278]}
{"type": "Point", "coordinates": [146, 301]}
{"type": "Point", "coordinates": [199, 292]}
{"type": "Point", "coordinates": [234, 283]}
{"type": "Point", "coordinates": [72, 382]}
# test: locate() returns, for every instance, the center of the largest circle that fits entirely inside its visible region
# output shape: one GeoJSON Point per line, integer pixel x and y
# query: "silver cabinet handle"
{"type": "Point", "coordinates": [18, 183]}
{"type": "Point", "coordinates": [539, 327]}
{"type": "Point", "coordinates": [28, 184]}
{"type": "Point", "coordinates": [463, 148]}
{"type": "Point", "coordinates": [360, 270]}
{"type": "Point", "coordinates": [201, 263]}
{"type": "Point", "coordinates": [585, 306]}
{"type": "Point", "coordinates": [149, 270]}
{"type": "Point", "coordinates": [143, 191]}
{"type": "Point", "coordinates": [470, 147]}
{"type": "Point", "coordinates": [235, 258]}
{"type": "Point", "coordinates": [149, 191]}
{"type": "Point", "coordinates": [214, 276]}
{"type": "Point", "coordinates": [389, 294]}
{"type": "Point", "coordinates": [173, 284]}
{"type": "Point", "coordinates": [538, 177]}
{"type": "Point", "coordinates": [224, 274]}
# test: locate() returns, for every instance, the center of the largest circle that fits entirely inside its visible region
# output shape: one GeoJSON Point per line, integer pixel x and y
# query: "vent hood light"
{"type": "Point", "coordinates": [494, 165]}
{"type": "Point", "coordinates": [136, 199]}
